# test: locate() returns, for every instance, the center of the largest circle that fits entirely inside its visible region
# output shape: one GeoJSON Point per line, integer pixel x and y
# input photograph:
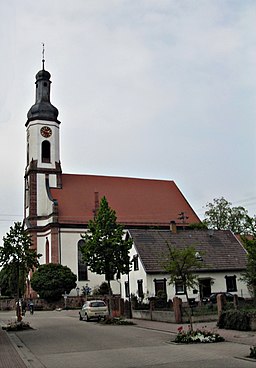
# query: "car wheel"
{"type": "Point", "coordinates": [87, 318]}
{"type": "Point", "coordinates": [80, 317]}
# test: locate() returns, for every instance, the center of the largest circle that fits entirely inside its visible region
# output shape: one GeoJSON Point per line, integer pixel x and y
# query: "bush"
{"type": "Point", "coordinates": [235, 320]}
{"type": "Point", "coordinates": [253, 352]}
{"type": "Point", "coordinates": [52, 280]}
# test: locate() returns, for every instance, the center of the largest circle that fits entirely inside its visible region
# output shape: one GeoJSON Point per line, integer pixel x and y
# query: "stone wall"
{"type": "Point", "coordinates": [41, 304]}
{"type": "Point", "coordinates": [71, 302]}
{"type": "Point", "coordinates": [7, 304]}
{"type": "Point", "coordinates": [160, 316]}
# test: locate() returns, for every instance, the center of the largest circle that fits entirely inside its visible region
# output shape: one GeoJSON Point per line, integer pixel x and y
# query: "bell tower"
{"type": "Point", "coordinates": [43, 168]}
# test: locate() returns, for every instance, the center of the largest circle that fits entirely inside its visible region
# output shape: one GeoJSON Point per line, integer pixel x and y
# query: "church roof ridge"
{"type": "Point", "coordinates": [121, 177]}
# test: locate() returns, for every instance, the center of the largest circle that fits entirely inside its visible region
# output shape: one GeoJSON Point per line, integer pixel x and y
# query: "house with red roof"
{"type": "Point", "coordinates": [58, 206]}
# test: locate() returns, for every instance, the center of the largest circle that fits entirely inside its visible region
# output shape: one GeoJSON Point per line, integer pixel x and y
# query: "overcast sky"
{"type": "Point", "coordinates": [160, 89]}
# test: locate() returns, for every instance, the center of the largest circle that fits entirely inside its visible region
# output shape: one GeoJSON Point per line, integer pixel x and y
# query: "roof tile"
{"type": "Point", "coordinates": [136, 201]}
{"type": "Point", "coordinates": [220, 251]}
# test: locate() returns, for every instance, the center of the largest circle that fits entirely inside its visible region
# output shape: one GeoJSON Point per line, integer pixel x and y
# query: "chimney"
{"type": "Point", "coordinates": [173, 227]}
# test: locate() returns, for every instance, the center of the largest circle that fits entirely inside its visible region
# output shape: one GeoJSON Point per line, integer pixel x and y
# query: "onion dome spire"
{"type": "Point", "coordinates": [43, 109]}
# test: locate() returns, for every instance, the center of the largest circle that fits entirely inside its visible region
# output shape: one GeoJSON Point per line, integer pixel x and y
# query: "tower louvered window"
{"type": "Point", "coordinates": [46, 151]}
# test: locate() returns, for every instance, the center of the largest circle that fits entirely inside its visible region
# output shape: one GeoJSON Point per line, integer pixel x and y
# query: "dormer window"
{"type": "Point", "coordinates": [46, 151]}
{"type": "Point", "coordinates": [198, 256]}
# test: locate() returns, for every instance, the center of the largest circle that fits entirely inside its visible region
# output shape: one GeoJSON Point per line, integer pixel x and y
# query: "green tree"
{"type": "Point", "coordinates": [52, 280]}
{"type": "Point", "coordinates": [250, 226]}
{"type": "Point", "coordinates": [249, 276]}
{"type": "Point", "coordinates": [198, 226]}
{"type": "Point", "coordinates": [17, 257]}
{"type": "Point", "coordinates": [181, 265]}
{"type": "Point", "coordinates": [105, 250]}
{"type": "Point", "coordinates": [220, 215]}
{"type": "Point", "coordinates": [102, 290]}
{"type": "Point", "coordinates": [8, 282]}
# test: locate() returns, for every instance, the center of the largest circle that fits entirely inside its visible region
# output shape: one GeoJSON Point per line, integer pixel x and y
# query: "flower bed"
{"type": "Point", "coordinates": [198, 336]}
{"type": "Point", "coordinates": [115, 321]}
{"type": "Point", "coordinates": [16, 326]}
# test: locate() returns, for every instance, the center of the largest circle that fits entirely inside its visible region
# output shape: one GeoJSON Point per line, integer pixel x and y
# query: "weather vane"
{"type": "Point", "coordinates": [43, 55]}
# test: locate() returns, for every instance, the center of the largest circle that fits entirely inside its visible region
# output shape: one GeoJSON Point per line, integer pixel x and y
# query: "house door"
{"type": "Point", "coordinates": [205, 288]}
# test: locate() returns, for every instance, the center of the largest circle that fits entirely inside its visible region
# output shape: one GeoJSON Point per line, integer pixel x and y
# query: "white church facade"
{"type": "Point", "coordinates": [58, 206]}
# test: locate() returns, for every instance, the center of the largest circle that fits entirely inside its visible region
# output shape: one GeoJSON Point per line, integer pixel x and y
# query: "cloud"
{"type": "Point", "coordinates": [154, 88]}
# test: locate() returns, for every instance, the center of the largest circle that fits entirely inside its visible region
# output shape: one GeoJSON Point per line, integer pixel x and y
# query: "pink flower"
{"type": "Point", "coordinates": [180, 328]}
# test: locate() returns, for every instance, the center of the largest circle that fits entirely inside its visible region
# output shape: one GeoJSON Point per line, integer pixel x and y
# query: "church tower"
{"type": "Point", "coordinates": [43, 169]}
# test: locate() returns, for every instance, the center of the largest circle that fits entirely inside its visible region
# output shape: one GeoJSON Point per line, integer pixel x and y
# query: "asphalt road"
{"type": "Point", "coordinates": [59, 339]}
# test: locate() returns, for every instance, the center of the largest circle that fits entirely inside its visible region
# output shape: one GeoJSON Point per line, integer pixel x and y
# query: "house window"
{"type": "Point", "coordinates": [160, 287]}
{"type": "Point", "coordinates": [126, 287]}
{"type": "Point", "coordinates": [135, 262]}
{"type": "Point", "coordinates": [179, 287]}
{"type": "Point", "coordinates": [140, 288]}
{"type": "Point", "coordinates": [231, 283]}
{"type": "Point", "coordinates": [82, 266]}
{"type": "Point", "coordinates": [46, 151]}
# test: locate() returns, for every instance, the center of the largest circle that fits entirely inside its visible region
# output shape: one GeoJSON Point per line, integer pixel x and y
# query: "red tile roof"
{"type": "Point", "coordinates": [136, 201]}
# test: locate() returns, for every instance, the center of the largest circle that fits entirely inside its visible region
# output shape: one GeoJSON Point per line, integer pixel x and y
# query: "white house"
{"type": "Point", "coordinates": [222, 255]}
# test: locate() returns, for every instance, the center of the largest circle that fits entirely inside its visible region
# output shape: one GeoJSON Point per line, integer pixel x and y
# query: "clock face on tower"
{"type": "Point", "coordinates": [46, 132]}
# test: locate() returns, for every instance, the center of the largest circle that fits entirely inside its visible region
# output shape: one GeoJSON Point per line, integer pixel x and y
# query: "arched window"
{"type": "Point", "coordinates": [82, 266]}
{"type": "Point", "coordinates": [47, 251]}
{"type": "Point", "coordinates": [46, 151]}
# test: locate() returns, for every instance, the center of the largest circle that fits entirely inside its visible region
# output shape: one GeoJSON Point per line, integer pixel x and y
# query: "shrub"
{"type": "Point", "coordinates": [235, 320]}
{"type": "Point", "coordinates": [253, 352]}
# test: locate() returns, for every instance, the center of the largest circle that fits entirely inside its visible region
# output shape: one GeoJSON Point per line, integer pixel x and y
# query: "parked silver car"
{"type": "Point", "coordinates": [93, 309]}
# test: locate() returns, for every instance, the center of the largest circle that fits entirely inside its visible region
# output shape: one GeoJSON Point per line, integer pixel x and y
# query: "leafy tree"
{"type": "Point", "coordinates": [102, 289]}
{"type": "Point", "coordinates": [52, 280]}
{"type": "Point", "coordinates": [8, 281]}
{"type": "Point", "coordinates": [220, 215]}
{"type": "Point", "coordinates": [105, 249]}
{"type": "Point", "coordinates": [181, 265]}
{"type": "Point", "coordinates": [249, 276]}
{"type": "Point", "coordinates": [198, 226]}
{"type": "Point", "coordinates": [250, 226]}
{"type": "Point", "coordinates": [17, 257]}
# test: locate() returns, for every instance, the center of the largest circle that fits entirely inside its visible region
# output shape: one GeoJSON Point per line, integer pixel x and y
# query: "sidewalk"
{"type": "Point", "coordinates": [9, 357]}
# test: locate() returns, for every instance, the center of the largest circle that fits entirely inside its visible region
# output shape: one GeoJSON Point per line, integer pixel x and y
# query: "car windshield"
{"type": "Point", "coordinates": [97, 304]}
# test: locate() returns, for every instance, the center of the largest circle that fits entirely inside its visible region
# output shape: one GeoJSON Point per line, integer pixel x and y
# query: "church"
{"type": "Point", "coordinates": [58, 206]}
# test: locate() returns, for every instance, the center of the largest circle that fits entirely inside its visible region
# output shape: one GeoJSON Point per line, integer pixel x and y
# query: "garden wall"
{"type": "Point", "coordinates": [41, 304]}
{"type": "Point", "coordinates": [168, 316]}
{"type": "Point", "coordinates": [7, 304]}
